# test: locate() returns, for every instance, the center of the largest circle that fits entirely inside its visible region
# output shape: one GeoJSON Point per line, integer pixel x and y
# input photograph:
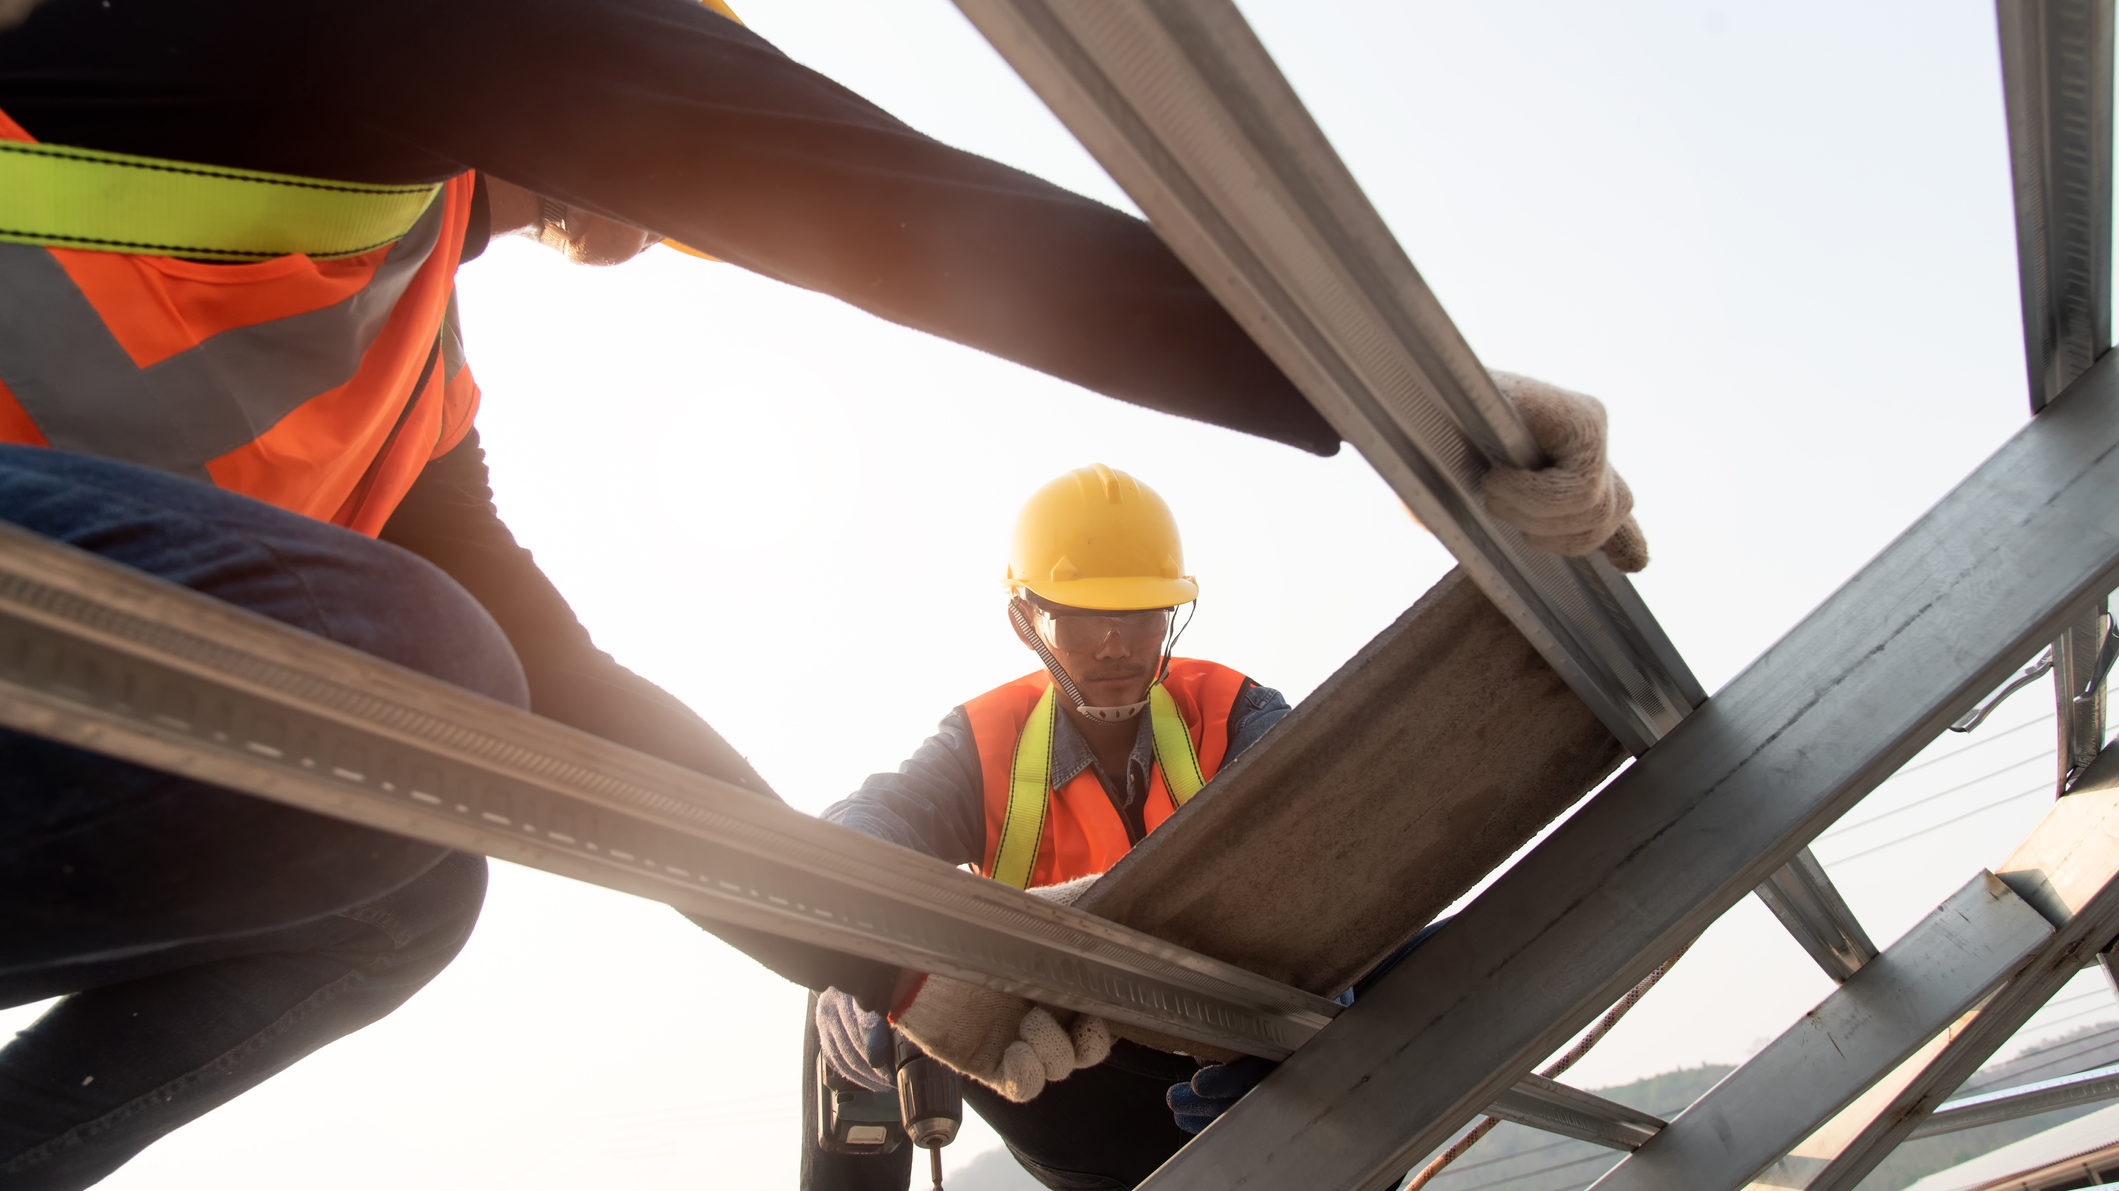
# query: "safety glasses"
{"type": "Point", "coordinates": [1086, 631]}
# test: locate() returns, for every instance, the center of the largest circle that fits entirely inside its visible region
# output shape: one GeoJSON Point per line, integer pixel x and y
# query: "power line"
{"type": "Point", "coordinates": [2042, 787]}
{"type": "Point", "coordinates": [1525, 1153]}
{"type": "Point", "coordinates": [1599, 1156]}
{"type": "Point", "coordinates": [1941, 757]}
{"type": "Point", "coordinates": [1847, 827]}
{"type": "Point", "coordinates": [2089, 1043]}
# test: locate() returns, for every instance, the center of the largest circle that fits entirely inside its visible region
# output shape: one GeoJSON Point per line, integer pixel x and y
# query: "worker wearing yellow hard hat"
{"type": "Point", "coordinates": [1044, 782]}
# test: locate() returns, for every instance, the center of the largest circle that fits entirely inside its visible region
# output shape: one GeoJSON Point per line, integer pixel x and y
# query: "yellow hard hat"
{"type": "Point", "coordinates": [1098, 538]}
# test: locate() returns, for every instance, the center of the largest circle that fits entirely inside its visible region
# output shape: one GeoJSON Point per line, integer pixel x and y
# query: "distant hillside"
{"type": "Point", "coordinates": [1513, 1158]}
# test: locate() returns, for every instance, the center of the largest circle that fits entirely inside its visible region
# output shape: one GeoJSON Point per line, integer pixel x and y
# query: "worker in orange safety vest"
{"type": "Point", "coordinates": [1043, 783]}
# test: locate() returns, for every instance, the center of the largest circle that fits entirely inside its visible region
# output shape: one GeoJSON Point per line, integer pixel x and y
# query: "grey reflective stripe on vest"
{"type": "Point", "coordinates": [452, 341]}
{"type": "Point", "coordinates": [85, 394]}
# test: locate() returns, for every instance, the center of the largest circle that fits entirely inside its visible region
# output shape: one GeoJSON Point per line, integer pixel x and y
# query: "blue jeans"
{"type": "Point", "coordinates": [202, 939]}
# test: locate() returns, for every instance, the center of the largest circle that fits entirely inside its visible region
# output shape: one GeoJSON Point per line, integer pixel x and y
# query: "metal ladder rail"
{"type": "Point", "coordinates": [1183, 107]}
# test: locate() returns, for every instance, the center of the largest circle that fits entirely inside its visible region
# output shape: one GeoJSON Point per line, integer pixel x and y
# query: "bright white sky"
{"type": "Point", "coordinates": [1775, 238]}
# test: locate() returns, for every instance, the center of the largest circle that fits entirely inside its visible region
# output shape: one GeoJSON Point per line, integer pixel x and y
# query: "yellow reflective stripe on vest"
{"type": "Point", "coordinates": [63, 197]}
{"type": "Point", "coordinates": [1029, 784]}
{"type": "Point", "coordinates": [1173, 746]}
{"type": "Point", "coordinates": [1030, 779]}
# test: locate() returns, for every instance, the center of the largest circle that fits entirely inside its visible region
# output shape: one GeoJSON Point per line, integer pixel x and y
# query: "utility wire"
{"type": "Point", "coordinates": [2087, 1044]}
{"type": "Point", "coordinates": [1525, 1153]}
{"type": "Point", "coordinates": [2113, 1009]}
{"type": "Point", "coordinates": [1600, 1156]}
{"type": "Point", "coordinates": [1939, 758]}
{"type": "Point", "coordinates": [2045, 787]}
{"type": "Point", "coordinates": [1923, 801]}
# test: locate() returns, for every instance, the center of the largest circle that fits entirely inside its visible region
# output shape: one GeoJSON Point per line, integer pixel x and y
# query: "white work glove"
{"type": "Point", "coordinates": [1001, 1040]}
{"type": "Point", "coordinates": [1577, 503]}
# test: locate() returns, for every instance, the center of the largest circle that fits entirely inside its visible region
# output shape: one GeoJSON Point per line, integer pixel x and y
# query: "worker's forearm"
{"type": "Point", "coordinates": [719, 141]}
{"type": "Point", "coordinates": [662, 115]}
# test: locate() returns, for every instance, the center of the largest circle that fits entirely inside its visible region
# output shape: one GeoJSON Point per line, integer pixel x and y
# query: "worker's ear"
{"type": "Point", "coordinates": [1023, 624]}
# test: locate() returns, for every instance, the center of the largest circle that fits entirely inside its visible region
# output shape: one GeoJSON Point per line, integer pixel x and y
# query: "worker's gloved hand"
{"type": "Point", "coordinates": [855, 1042]}
{"type": "Point", "coordinates": [1577, 503]}
{"type": "Point", "coordinates": [1065, 893]}
{"type": "Point", "coordinates": [1001, 1040]}
{"type": "Point", "coordinates": [1213, 1090]}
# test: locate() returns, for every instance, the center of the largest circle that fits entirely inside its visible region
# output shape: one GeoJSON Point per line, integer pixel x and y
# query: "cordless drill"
{"type": "Point", "coordinates": [927, 1108]}
{"type": "Point", "coordinates": [930, 1103]}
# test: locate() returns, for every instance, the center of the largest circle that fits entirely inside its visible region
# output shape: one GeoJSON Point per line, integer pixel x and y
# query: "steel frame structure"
{"type": "Point", "coordinates": [1184, 107]}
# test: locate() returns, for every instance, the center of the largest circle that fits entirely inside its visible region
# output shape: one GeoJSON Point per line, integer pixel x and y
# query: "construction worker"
{"type": "Point", "coordinates": [1043, 783]}
{"type": "Point", "coordinates": [1046, 781]}
{"type": "Point", "coordinates": [228, 230]}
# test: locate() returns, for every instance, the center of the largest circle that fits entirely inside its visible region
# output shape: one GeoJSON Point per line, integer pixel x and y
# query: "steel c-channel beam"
{"type": "Point", "coordinates": [105, 658]}
{"type": "Point", "coordinates": [2009, 1104]}
{"type": "Point", "coordinates": [2056, 69]}
{"type": "Point", "coordinates": [1186, 110]}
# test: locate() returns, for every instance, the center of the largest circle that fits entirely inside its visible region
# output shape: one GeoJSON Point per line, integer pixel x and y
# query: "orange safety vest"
{"type": "Point", "coordinates": [320, 386]}
{"type": "Point", "coordinates": [1082, 833]}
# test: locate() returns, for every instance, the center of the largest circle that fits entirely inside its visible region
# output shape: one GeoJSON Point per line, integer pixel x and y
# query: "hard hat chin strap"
{"type": "Point", "coordinates": [1031, 637]}
{"type": "Point", "coordinates": [1112, 715]}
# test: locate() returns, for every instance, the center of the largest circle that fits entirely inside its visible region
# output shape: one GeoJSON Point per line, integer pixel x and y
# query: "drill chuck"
{"type": "Point", "coordinates": [930, 1098]}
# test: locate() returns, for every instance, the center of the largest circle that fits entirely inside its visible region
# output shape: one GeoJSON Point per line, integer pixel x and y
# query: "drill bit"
{"type": "Point", "coordinates": [934, 1163]}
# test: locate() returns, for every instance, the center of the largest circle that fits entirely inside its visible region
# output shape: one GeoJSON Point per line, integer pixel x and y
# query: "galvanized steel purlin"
{"type": "Point", "coordinates": [2008, 1104]}
{"type": "Point", "coordinates": [2057, 80]}
{"type": "Point", "coordinates": [2056, 59]}
{"type": "Point", "coordinates": [1185, 109]}
{"type": "Point", "coordinates": [1555, 1107]}
{"type": "Point", "coordinates": [1806, 902]}
{"type": "Point", "coordinates": [108, 659]}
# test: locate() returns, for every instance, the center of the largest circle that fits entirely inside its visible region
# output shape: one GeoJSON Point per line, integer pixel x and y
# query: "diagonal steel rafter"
{"type": "Point", "coordinates": [106, 658]}
{"type": "Point", "coordinates": [1733, 793]}
{"type": "Point", "coordinates": [1184, 108]}
{"type": "Point", "coordinates": [1182, 105]}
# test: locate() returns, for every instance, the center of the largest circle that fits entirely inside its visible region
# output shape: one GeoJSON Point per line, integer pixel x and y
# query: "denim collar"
{"type": "Point", "coordinates": [1071, 755]}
